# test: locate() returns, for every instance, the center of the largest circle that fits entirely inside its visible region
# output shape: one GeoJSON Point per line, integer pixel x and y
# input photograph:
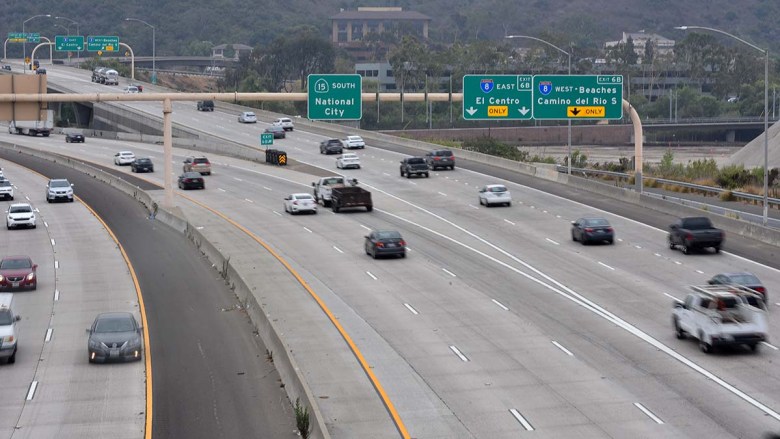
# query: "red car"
{"type": "Point", "coordinates": [18, 272]}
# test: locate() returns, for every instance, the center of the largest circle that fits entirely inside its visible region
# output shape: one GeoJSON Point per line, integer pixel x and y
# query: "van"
{"type": "Point", "coordinates": [8, 330]}
{"type": "Point", "coordinates": [284, 122]}
{"type": "Point", "coordinates": [205, 105]}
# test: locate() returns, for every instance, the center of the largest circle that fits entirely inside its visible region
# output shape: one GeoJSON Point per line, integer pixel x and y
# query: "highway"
{"type": "Point", "coordinates": [496, 322]}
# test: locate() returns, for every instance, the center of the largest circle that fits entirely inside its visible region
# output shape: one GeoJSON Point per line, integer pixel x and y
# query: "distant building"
{"type": "Point", "coordinates": [381, 72]}
{"type": "Point", "coordinates": [350, 27]}
{"type": "Point", "coordinates": [236, 50]}
{"type": "Point", "coordinates": [663, 46]}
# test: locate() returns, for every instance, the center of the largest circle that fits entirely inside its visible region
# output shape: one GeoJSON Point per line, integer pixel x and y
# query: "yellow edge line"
{"type": "Point", "coordinates": [359, 355]}
{"type": "Point", "coordinates": [147, 351]}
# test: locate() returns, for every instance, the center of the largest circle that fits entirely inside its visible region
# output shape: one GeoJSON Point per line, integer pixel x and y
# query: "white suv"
{"type": "Point", "coordinates": [284, 122]}
{"type": "Point", "coordinates": [8, 331]}
{"type": "Point", "coordinates": [59, 189]}
{"type": "Point", "coordinates": [6, 189]}
{"type": "Point", "coordinates": [18, 215]}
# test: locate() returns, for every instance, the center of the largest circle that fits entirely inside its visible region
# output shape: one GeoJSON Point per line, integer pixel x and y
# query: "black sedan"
{"type": "Point", "coordinates": [74, 137]}
{"type": "Point", "coordinates": [277, 131]}
{"type": "Point", "coordinates": [142, 164]}
{"type": "Point", "coordinates": [586, 230]}
{"type": "Point", "coordinates": [744, 279]}
{"type": "Point", "coordinates": [191, 180]}
{"type": "Point", "coordinates": [385, 242]}
{"type": "Point", "coordinates": [114, 336]}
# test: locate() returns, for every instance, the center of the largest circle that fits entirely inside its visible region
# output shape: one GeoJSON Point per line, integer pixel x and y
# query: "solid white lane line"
{"type": "Point", "coordinates": [699, 271]}
{"type": "Point", "coordinates": [769, 345]}
{"type": "Point", "coordinates": [277, 213]}
{"type": "Point", "coordinates": [550, 240]}
{"type": "Point", "coordinates": [510, 222]}
{"type": "Point", "coordinates": [558, 345]}
{"type": "Point", "coordinates": [48, 335]}
{"type": "Point", "coordinates": [410, 308]}
{"type": "Point", "coordinates": [367, 228]}
{"type": "Point", "coordinates": [56, 264]}
{"type": "Point", "coordinates": [458, 353]}
{"type": "Point", "coordinates": [605, 265]}
{"type": "Point", "coordinates": [473, 206]}
{"type": "Point", "coordinates": [52, 242]}
{"type": "Point", "coordinates": [521, 420]}
{"type": "Point", "coordinates": [220, 189]}
{"type": "Point", "coordinates": [248, 200]}
{"type": "Point", "coordinates": [237, 179]}
{"type": "Point", "coordinates": [307, 229]}
{"type": "Point", "coordinates": [386, 174]}
{"type": "Point", "coordinates": [411, 182]}
{"type": "Point", "coordinates": [673, 298]}
{"type": "Point", "coordinates": [448, 272]}
{"type": "Point", "coordinates": [442, 194]}
{"type": "Point", "coordinates": [267, 188]}
{"type": "Point", "coordinates": [657, 254]}
{"type": "Point", "coordinates": [678, 262]}
{"type": "Point", "coordinates": [337, 249]}
{"type": "Point", "coordinates": [371, 275]}
{"type": "Point", "coordinates": [501, 305]}
{"type": "Point", "coordinates": [45, 224]}
{"type": "Point", "coordinates": [31, 392]}
{"type": "Point", "coordinates": [648, 413]}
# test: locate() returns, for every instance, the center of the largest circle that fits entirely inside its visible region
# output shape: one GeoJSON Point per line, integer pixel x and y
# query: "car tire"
{"type": "Point", "coordinates": [753, 347]}
{"type": "Point", "coordinates": [703, 345]}
{"type": "Point", "coordinates": [717, 249]}
{"type": "Point", "coordinates": [452, 168]}
{"type": "Point", "coordinates": [403, 255]}
{"type": "Point", "coordinates": [610, 242]}
{"type": "Point", "coordinates": [12, 358]}
{"type": "Point", "coordinates": [402, 172]}
{"type": "Point", "coordinates": [678, 331]}
{"type": "Point", "coordinates": [426, 175]}
{"type": "Point", "coordinates": [509, 204]}
{"type": "Point", "coordinates": [71, 200]}
{"type": "Point", "coordinates": [48, 200]}
{"type": "Point", "coordinates": [583, 240]}
{"type": "Point", "coordinates": [408, 175]}
{"type": "Point", "coordinates": [11, 198]}
{"type": "Point", "coordinates": [67, 140]}
{"type": "Point", "coordinates": [373, 254]}
{"type": "Point", "coordinates": [8, 226]}
{"type": "Point", "coordinates": [34, 226]}
{"type": "Point", "coordinates": [132, 169]}
{"type": "Point", "coordinates": [671, 244]}
{"type": "Point", "coordinates": [369, 208]}
{"type": "Point", "coordinates": [685, 249]}
{"type": "Point", "coordinates": [573, 237]}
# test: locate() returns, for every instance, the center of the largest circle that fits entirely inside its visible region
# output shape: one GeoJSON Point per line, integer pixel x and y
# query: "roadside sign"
{"type": "Point", "coordinates": [497, 97]}
{"type": "Point", "coordinates": [102, 43]}
{"type": "Point", "coordinates": [564, 97]}
{"type": "Point", "coordinates": [33, 38]}
{"type": "Point", "coordinates": [27, 60]}
{"type": "Point", "coordinates": [68, 43]}
{"type": "Point", "coordinates": [335, 97]}
{"type": "Point", "coordinates": [17, 37]}
{"type": "Point", "coordinates": [266, 139]}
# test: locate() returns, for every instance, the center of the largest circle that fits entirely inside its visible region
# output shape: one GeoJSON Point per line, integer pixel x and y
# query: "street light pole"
{"type": "Point", "coordinates": [568, 54]}
{"type": "Point", "coordinates": [766, 109]}
{"type": "Point", "coordinates": [24, 44]}
{"type": "Point", "coordinates": [78, 53]}
{"type": "Point", "coordinates": [154, 48]}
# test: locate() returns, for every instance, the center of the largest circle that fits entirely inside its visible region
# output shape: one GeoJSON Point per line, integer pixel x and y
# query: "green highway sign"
{"type": "Point", "coordinates": [33, 38]}
{"type": "Point", "coordinates": [102, 43]}
{"type": "Point", "coordinates": [266, 139]}
{"type": "Point", "coordinates": [497, 97]}
{"type": "Point", "coordinates": [17, 37]}
{"type": "Point", "coordinates": [563, 97]}
{"type": "Point", "coordinates": [335, 97]}
{"type": "Point", "coordinates": [68, 43]}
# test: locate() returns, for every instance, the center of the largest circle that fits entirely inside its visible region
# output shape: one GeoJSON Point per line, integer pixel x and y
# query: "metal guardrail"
{"type": "Point", "coordinates": [707, 120]}
{"type": "Point", "coordinates": [711, 189]}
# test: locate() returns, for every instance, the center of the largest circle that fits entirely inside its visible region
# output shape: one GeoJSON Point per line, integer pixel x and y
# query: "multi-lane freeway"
{"type": "Point", "coordinates": [495, 324]}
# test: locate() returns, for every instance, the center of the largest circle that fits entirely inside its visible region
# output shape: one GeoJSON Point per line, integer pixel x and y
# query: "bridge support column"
{"type": "Point", "coordinates": [638, 136]}
{"type": "Point", "coordinates": [168, 153]}
{"type": "Point", "coordinates": [731, 135]}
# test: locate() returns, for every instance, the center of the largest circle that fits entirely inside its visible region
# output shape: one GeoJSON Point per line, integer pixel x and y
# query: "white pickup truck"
{"type": "Point", "coordinates": [721, 315]}
{"type": "Point", "coordinates": [323, 186]}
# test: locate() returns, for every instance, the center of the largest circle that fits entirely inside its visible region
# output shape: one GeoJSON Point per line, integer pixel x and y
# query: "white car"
{"type": "Point", "coordinates": [354, 142]}
{"type": "Point", "coordinates": [493, 194]}
{"type": "Point", "coordinates": [247, 117]}
{"type": "Point", "coordinates": [348, 160]}
{"type": "Point", "coordinates": [284, 122]}
{"type": "Point", "coordinates": [6, 189]}
{"type": "Point", "coordinates": [124, 158]}
{"type": "Point", "coordinates": [20, 215]}
{"type": "Point", "coordinates": [131, 89]}
{"type": "Point", "coordinates": [297, 203]}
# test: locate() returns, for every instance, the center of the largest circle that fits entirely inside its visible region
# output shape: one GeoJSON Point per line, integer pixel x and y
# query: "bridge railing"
{"type": "Point", "coordinates": [709, 120]}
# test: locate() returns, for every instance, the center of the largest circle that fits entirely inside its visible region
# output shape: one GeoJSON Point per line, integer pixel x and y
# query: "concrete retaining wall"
{"type": "Point", "coordinates": [617, 134]}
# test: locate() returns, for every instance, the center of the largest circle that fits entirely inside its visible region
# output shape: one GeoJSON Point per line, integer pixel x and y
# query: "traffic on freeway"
{"type": "Point", "coordinates": [496, 320]}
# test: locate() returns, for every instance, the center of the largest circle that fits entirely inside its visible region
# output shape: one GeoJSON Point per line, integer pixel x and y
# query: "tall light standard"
{"type": "Point", "coordinates": [24, 44]}
{"type": "Point", "coordinates": [766, 108]}
{"type": "Point", "coordinates": [569, 55]}
{"type": "Point", "coordinates": [78, 53]}
{"type": "Point", "coordinates": [154, 66]}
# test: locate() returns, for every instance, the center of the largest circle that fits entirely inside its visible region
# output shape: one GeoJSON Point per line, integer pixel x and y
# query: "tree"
{"type": "Point", "coordinates": [410, 61]}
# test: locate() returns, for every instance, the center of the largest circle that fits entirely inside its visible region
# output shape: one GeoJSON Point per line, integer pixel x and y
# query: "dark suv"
{"type": "Point", "coordinates": [205, 105]}
{"type": "Point", "coordinates": [440, 158]}
{"type": "Point", "coordinates": [331, 146]}
{"type": "Point", "coordinates": [414, 166]}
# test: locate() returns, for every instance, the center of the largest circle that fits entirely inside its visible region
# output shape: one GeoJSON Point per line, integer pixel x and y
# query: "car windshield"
{"type": "Point", "coordinates": [191, 175]}
{"type": "Point", "coordinates": [19, 209]}
{"type": "Point", "coordinates": [6, 318]}
{"type": "Point", "coordinates": [143, 161]}
{"type": "Point", "coordinates": [5, 183]}
{"type": "Point", "coordinates": [416, 161]}
{"type": "Point", "coordinates": [696, 223]}
{"type": "Point", "coordinates": [497, 189]}
{"type": "Point", "coordinates": [329, 181]}
{"type": "Point", "coordinates": [355, 138]}
{"type": "Point", "coordinates": [303, 197]}
{"type": "Point", "coordinates": [285, 120]}
{"type": "Point", "coordinates": [59, 183]}
{"type": "Point", "coordinates": [595, 222]}
{"type": "Point", "coordinates": [13, 264]}
{"type": "Point", "coordinates": [114, 324]}
{"type": "Point", "coordinates": [388, 235]}
{"type": "Point", "coordinates": [744, 279]}
{"type": "Point", "coordinates": [249, 114]}
{"type": "Point", "coordinates": [444, 153]}
{"type": "Point", "coordinates": [201, 160]}
{"type": "Point", "coordinates": [349, 156]}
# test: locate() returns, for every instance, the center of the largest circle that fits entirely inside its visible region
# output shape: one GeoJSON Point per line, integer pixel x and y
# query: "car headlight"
{"type": "Point", "coordinates": [134, 342]}
{"type": "Point", "coordinates": [31, 276]}
{"type": "Point", "coordinates": [8, 339]}
{"type": "Point", "coordinates": [1, 278]}
{"type": "Point", "coordinates": [94, 344]}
